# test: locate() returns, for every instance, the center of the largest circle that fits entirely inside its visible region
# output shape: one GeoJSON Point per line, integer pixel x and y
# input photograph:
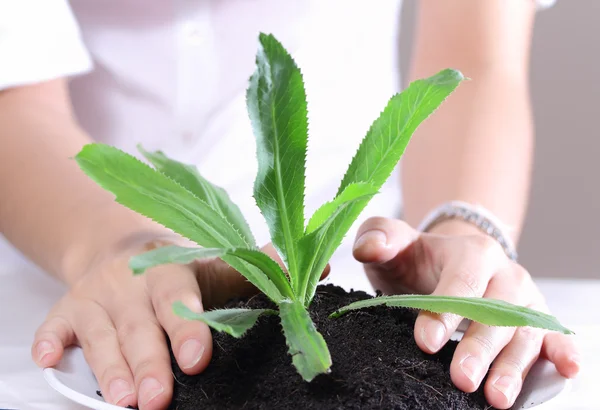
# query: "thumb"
{"type": "Point", "coordinates": [386, 248]}
{"type": "Point", "coordinates": [381, 240]}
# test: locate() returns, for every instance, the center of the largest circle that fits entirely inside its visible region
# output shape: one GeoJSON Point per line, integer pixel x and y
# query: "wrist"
{"type": "Point", "coordinates": [461, 218]}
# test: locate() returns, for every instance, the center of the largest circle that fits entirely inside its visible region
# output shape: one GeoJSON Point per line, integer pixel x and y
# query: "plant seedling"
{"type": "Point", "coordinates": [178, 197]}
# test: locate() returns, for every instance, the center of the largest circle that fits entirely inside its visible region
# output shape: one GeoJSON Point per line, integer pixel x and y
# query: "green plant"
{"type": "Point", "coordinates": [178, 197]}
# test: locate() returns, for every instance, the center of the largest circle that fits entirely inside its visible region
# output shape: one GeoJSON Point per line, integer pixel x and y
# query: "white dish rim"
{"type": "Point", "coordinates": [50, 374]}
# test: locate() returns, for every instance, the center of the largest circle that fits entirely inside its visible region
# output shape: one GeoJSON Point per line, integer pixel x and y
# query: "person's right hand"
{"type": "Point", "coordinates": [118, 320]}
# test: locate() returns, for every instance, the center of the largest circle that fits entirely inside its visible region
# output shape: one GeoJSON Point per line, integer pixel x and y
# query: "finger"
{"type": "Point", "coordinates": [191, 340]}
{"type": "Point", "coordinates": [481, 344]}
{"type": "Point", "coordinates": [51, 338]}
{"type": "Point", "coordinates": [326, 272]}
{"type": "Point", "coordinates": [510, 368]}
{"type": "Point", "coordinates": [393, 256]}
{"type": "Point", "coordinates": [97, 336]}
{"type": "Point", "coordinates": [144, 346]}
{"type": "Point", "coordinates": [379, 240]}
{"type": "Point", "coordinates": [561, 350]}
{"type": "Point", "coordinates": [467, 267]}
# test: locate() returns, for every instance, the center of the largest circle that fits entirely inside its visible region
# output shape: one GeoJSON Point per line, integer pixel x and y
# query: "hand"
{"type": "Point", "coordinates": [398, 259]}
{"type": "Point", "coordinates": [118, 320]}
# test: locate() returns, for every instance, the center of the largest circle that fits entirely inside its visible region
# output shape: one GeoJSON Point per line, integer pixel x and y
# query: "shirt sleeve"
{"type": "Point", "coordinates": [40, 40]}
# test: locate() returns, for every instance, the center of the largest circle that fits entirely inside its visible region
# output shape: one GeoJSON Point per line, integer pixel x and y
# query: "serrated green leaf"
{"type": "Point", "coordinates": [309, 351]}
{"type": "Point", "coordinates": [386, 140]}
{"type": "Point", "coordinates": [351, 193]}
{"type": "Point", "coordinates": [156, 196]}
{"type": "Point", "coordinates": [235, 322]}
{"type": "Point", "coordinates": [276, 103]}
{"type": "Point", "coordinates": [171, 254]}
{"type": "Point", "coordinates": [150, 193]}
{"type": "Point", "coordinates": [376, 158]}
{"type": "Point", "coordinates": [189, 178]}
{"type": "Point", "coordinates": [489, 312]}
{"type": "Point", "coordinates": [310, 244]}
{"type": "Point", "coordinates": [177, 254]}
{"type": "Point", "coordinates": [270, 267]}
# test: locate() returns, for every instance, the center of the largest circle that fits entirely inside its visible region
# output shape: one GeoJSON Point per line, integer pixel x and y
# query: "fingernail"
{"type": "Point", "coordinates": [149, 389]}
{"type": "Point", "coordinates": [576, 365]}
{"type": "Point", "coordinates": [374, 236]}
{"type": "Point", "coordinates": [190, 353]}
{"type": "Point", "coordinates": [433, 335]}
{"type": "Point", "coordinates": [575, 359]}
{"type": "Point", "coordinates": [42, 349]}
{"type": "Point", "coordinates": [119, 389]}
{"type": "Point", "coordinates": [508, 387]}
{"type": "Point", "coordinates": [472, 368]}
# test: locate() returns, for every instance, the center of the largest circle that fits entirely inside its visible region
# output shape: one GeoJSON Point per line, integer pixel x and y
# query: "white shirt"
{"type": "Point", "coordinates": [172, 75]}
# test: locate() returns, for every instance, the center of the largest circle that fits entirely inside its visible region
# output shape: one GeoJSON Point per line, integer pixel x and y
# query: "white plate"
{"type": "Point", "coordinates": [73, 378]}
{"type": "Point", "coordinates": [544, 388]}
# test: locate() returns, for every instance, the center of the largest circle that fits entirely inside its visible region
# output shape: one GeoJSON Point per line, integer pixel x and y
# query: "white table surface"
{"type": "Point", "coordinates": [27, 294]}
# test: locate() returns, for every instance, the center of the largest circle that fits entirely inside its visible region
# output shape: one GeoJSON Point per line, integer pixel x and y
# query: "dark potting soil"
{"type": "Point", "coordinates": [376, 365]}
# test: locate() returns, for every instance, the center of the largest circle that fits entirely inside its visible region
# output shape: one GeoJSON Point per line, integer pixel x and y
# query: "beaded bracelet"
{"type": "Point", "coordinates": [476, 215]}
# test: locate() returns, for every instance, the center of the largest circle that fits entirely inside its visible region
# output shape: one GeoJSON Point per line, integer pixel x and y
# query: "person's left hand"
{"type": "Point", "coordinates": [398, 259]}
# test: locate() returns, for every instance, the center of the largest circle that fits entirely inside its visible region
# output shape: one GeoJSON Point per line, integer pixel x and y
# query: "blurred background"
{"type": "Point", "coordinates": [561, 236]}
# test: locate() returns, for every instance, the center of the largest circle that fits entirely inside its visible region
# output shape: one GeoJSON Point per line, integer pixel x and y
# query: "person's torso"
{"type": "Point", "coordinates": [172, 75]}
